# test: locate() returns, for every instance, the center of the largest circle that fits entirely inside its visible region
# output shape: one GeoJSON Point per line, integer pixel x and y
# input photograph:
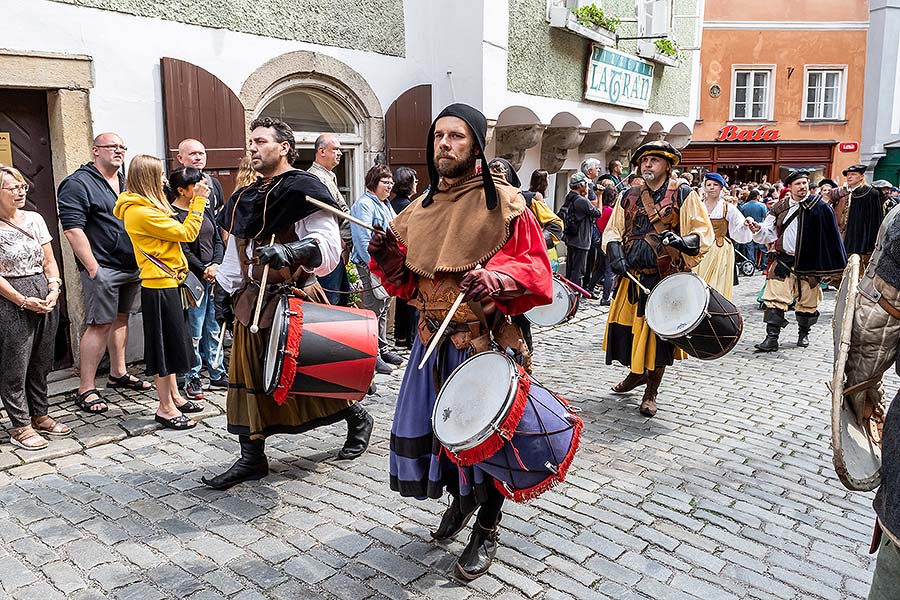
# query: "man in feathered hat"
{"type": "Point", "coordinates": [656, 229]}
{"type": "Point", "coordinates": [471, 234]}
{"type": "Point", "coordinates": [859, 209]}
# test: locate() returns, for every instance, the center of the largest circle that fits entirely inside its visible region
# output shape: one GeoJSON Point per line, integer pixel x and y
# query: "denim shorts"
{"type": "Point", "coordinates": [109, 293]}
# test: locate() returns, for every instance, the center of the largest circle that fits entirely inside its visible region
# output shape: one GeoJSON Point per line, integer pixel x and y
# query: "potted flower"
{"type": "Point", "coordinates": [587, 21]}
{"type": "Point", "coordinates": [664, 51]}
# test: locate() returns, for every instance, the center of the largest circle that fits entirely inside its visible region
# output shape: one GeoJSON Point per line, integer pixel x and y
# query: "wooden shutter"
{"type": "Point", "coordinates": [196, 104]}
{"type": "Point", "coordinates": [406, 127]}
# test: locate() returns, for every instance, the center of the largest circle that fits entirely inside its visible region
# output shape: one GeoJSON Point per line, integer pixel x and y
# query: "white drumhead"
{"type": "Point", "coordinates": [272, 365]}
{"type": "Point", "coordinates": [555, 312]}
{"type": "Point", "coordinates": [677, 304]}
{"type": "Point", "coordinates": [475, 397]}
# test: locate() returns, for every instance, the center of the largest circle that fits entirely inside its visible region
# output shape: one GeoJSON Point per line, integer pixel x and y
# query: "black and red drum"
{"type": "Point", "coordinates": [320, 350]}
{"type": "Point", "coordinates": [688, 313]}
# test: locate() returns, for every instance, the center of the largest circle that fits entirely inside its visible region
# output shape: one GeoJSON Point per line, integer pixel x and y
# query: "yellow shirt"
{"type": "Point", "coordinates": [160, 235]}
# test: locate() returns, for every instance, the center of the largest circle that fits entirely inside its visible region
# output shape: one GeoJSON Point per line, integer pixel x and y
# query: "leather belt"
{"type": "Point", "coordinates": [889, 308]}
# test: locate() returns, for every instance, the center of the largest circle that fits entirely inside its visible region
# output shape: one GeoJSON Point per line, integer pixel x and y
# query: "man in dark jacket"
{"type": "Point", "coordinates": [109, 275]}
{"type": "Point", "coordinates": [579, 220]}
{"type": "Point", "coordinates": [192, 153]}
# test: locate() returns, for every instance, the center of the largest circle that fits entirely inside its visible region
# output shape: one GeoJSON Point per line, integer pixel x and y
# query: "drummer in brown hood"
{"type": "Point", "coordinates": [808, 247]}
{"type": "Point", "coordinates": [656, 229]}
{"type": "Point", "coordinates": [307, 244]}
{"type": "Point", "coordinates": [473, 234]}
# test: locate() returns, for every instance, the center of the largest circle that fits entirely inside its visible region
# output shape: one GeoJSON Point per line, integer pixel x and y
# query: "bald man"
{"type": "Point", "coordinates": [192, 153]}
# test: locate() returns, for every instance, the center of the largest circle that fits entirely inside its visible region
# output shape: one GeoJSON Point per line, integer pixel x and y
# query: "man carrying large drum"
{"type": "Point", "coordinates": [657, 229]}
{"type": "Point", "coordinates": [473, 236]}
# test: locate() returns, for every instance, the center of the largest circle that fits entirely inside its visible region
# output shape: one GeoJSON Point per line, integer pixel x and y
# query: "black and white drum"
{"type": "Point", "coordinates": [683, 310]}
{"type": "Point", "coordinates": [563, 307]}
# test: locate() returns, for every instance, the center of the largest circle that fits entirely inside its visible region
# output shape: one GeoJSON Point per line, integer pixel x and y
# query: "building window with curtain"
{"type": "Point", "coordinates": [824, 94]}
{"type": "Point", "coordinates": [752, 94]}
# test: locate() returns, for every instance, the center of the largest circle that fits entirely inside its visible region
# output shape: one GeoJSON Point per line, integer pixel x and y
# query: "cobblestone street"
{"type": "Point", "coordinates": [728, 493]}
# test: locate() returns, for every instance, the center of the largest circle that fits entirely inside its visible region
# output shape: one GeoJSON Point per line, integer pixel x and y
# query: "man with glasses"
{"type": "Point", "coordinates": [109, 274]}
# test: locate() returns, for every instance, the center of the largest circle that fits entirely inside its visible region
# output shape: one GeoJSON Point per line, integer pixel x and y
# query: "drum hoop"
{"type": "Point", "coordinates": [569, 311]}
{"type": "Point", "coordinates": [702, 316]}
{"type": "Point", "coordinates": [485, 433]}
{"type": "Point", "coordinates": [284, 308]}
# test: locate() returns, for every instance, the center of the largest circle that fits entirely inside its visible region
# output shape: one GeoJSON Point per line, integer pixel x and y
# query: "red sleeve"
{"type": "Point", "coordinates": [604, 218]}
{"type": "Point", "coordinates": [524, 258]}
{"type": "Point", "coordinates": [405, 291]}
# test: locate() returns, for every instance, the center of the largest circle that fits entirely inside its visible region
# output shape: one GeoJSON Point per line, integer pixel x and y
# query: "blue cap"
{"type": "Point", "coordinates": [715, 177]}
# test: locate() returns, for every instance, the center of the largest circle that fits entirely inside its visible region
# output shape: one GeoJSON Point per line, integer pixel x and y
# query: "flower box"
{"type": "Point", "coordinates": [562, 18]}
{"type": "Point", "coordinates": [649, 51]}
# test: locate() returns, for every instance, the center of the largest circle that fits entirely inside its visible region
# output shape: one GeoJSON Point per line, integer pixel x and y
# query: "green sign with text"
{"type": "Point", "coordinates": [617, 78]}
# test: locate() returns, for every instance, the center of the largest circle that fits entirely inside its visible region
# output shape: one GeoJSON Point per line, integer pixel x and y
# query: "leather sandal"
{"type": "Point", "coordinates": [190, 407]}
{"type": "Point", "coordinates": [82, 402]}
{"type": "Point", "coordinates": [180, 422]}
{"type": "Point", "coordinates": [129, 382]}
{"type": "Point", "coordinates": [50, 426]}
{"type": "Point", "coordinates": [27, 438]}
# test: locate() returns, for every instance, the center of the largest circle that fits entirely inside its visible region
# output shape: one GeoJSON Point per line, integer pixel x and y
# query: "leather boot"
{"type": "Point", "coordinates": [478, 555]}
{"type": "Point", "coordinates": [452, 522]}
{"type": "Point", "coordinates": [632, 381]}
{"type": "Point", "coordinates": [803, 337]}
{"type": "Point", "coordinates": [359, 429]}
{"type": "Point", "coordinates": [805, 321]}
{"type": "Point", "coordinates": [648, 402]}
{"type": "Point", "coordinates": [252, 465]}
{"type": "Point", "coordinates": [770, 344]}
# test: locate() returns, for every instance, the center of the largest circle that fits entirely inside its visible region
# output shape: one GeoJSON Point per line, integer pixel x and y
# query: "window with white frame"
{"type": "Point", "coordinates": [654, 17]}
{"type": "Point", "coordinates": [752, 94]}
{"type": "Point", "coordinates": [824, 94]}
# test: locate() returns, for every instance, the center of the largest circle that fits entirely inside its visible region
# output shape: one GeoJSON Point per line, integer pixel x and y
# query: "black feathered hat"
{"type": "Point", "coordinates": [478, 124]}
{"type": "Point", "coordinates": [854, 169]}
{"type": "Point", "coordinates": [795, 175]}
{"type": "Point", "coordinates": [830, 182]}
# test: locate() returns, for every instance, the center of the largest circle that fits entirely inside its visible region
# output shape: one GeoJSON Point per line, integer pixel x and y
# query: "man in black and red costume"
{"type": "Point", "coordinates": [471, 234]}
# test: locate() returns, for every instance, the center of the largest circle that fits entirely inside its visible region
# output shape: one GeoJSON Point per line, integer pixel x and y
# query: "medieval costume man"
{"type": "Point", "coordinates": [656, 229]}
{"type": "Point", "coordinates": [859, 209]}
{"type": "Point", "coordinates": [717, 266]}
{"type": "Point", "coordinates": [808, 246]}
{"type": "Point", "coordinates": [471, 234]}
{"type": "Point", "coordinates": [308, 244]}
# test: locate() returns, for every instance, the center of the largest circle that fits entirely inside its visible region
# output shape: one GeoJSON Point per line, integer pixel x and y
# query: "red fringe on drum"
{"type": "Point", "coordinates": [533, 492]}
{"type": "Point", "coordinates": [289, 368]}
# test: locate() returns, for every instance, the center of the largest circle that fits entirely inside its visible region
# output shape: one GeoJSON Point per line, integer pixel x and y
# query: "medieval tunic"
{"type": "Point", "coordinates": [717, 266]}
{"type": "Point", "coordinates": [859, 213]}
{"type": "Point", "coordinates": [252, 215]}
{"type": "Point", "coordinates": [442, 242]}
{"type": "Point", "coordinates": [629, 340]}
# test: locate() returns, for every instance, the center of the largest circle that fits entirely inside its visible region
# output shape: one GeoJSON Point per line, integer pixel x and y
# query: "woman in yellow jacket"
{"type": "Point", "coordinates": [156, 236]}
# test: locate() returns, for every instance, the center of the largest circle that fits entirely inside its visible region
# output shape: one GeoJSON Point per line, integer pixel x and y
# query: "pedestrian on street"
{"type": "Point", "coordinates": [110, 279]}
{"type": "Point", "coordinates": [602, 270]}
{"type": "Point", "coordinates": [580, 217]}
{"type": "Point", "coordinates": [29, 284]}
{"type": "Point", "coordinates": [405, 316]}
{"type": "Point", "coordinates": [467, 219]}
{"type": "Point", "coordinates": [192, 153]}
{"type": "Point", "coordinates": [204, 255]}
{"type": "Point", "coordinates": [156, 236]}
{"type": "Point", "coordinates": [374, 209]}
{"type": "Point", "coordinates": [650, 250]}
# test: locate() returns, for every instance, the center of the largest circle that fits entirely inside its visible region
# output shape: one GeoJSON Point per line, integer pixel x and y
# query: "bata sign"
{"type": "Point", "coordinates": [617, 78]}
{"type": "Point", "coordinates": [731, 133]}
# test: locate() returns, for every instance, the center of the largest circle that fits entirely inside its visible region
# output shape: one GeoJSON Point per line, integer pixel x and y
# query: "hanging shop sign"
{"type": "Point", "coordinates": [617, 78]}
{"type": "Point", "coordinates": [843, 146]}
{"type": "Point", "coordinates": [5, 149]}
{"type": "Point", "coordinates": [733, 133]}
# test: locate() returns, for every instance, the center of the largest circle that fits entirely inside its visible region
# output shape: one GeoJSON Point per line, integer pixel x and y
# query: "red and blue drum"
{"type": "Point", "coordinates": [320, 350]}
{"type": "Point", "coordinates": [491, 414]}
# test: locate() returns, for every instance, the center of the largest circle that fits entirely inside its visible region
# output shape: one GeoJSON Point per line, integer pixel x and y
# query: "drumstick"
{"type": "Point", "coordinates": [339, 213]}
{"type": "Point", "coordinates": [575, 286]}
{"type": "Point", "coordinates": [262, 292]}
{"type": "Point", "coordinates": [637, 283]}
{"type": "Point", "coordinates": [435, 340]}
{"type": "Point", "coordinates": [219, 347]}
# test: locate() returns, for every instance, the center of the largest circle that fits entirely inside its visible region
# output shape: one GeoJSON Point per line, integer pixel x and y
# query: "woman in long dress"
{"type": "Point", "coordinates": [717, 266]}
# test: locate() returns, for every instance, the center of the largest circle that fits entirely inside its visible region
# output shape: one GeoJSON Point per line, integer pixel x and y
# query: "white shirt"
{"type": "Point", "coordinates": [737, 228]}
{"type": "Point", "coordinates": [319, 225]}
{"type": "Point", "coordinates": [768, 234]}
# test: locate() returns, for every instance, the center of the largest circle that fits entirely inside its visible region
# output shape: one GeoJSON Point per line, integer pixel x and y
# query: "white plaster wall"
{"type": "Point", "coordinates": [881, 112]}
{"type": "Point", "coordinates": [126, 51]}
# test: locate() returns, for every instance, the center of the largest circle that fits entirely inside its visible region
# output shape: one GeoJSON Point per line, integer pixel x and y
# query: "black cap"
{"type": "Point", "coordinates": [478, 124]}
{"type": "Point", "coordinates": [830, 182]}
{"type": "Point", "coordinates": [854, 169]}
{"type": "Point", "coordinates": [795, 175]}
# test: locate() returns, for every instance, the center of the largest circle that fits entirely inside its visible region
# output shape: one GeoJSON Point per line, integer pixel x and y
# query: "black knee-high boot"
{"type": "Point", "coordinates": [252, 465]}
{"type": "Point", "coordinates": [359, 429]}
{"type": "Point", "coordinates": [775, 321]}
{"type": "Point", "coordinates": [479, 553]}
{"type": "Point", "coordinates": [805, 321]}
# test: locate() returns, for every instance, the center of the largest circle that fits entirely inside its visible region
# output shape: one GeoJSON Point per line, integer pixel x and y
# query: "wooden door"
{"type": "Point", "coordinates": [23, 114]}
{"type": "Point", "coordinates": [406, 126]}
{"type": "Point", "coordinates": [196, 104]}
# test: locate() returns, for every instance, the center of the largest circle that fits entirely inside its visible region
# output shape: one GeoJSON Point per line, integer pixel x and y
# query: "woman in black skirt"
{"type": "Point", "coordinates": [156, 236]}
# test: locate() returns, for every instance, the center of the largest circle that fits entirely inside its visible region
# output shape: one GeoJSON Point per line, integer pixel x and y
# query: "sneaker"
{"type": "Point", "coordinates": [194, 389]}
{"type": "Point", "coordinates": [391, 358]}
{"type": "Point", "coordinates": [220, 383]}
{"type": "Point", "coordinates": [382, 367]}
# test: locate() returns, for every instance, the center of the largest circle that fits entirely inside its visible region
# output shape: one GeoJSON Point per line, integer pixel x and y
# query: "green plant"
{"type": "Point", "coordinates": [355, 298]}
{"type": "Point", "coordinates": [668, 47]}
{"type": "Point", "coordinates": [592, 16]}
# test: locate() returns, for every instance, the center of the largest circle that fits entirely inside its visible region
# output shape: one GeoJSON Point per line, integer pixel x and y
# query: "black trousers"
{"type": "Point", "coordinates": [576, 258]}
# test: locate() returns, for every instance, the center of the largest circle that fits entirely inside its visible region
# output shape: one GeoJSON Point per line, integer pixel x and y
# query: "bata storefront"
{"type": "Point", "coordinates": [758, 154]}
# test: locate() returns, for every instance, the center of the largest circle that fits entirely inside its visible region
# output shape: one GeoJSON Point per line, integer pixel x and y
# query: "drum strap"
{"type": "Point", "coordinates": [889, 308]}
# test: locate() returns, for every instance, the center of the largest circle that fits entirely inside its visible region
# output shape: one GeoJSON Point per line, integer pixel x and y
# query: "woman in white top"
{"type": "Point", "coordinates": [717, 266]}
{"type": "Point", "coordinates": [29, 286]}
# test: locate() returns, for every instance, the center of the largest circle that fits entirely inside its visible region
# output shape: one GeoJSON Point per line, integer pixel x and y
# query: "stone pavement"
{"type": "Point", "coordinates": [728, 493]}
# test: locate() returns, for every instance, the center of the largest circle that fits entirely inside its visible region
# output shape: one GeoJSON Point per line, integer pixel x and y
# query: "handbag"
{"type": "Point", "coordinates": [191, 287]}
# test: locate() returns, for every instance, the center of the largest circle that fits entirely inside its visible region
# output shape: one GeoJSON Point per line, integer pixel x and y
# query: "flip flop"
{"type": "Point", "coordinates": [190, 407]}
{"type": "Point", "coordinates": [130, 382]}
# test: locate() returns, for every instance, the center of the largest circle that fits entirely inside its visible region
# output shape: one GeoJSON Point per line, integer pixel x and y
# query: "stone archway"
{"type": "Point", "coordinates": [314, 69]}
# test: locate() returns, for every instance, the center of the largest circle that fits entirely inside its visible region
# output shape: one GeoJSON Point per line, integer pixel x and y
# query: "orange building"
{"type": "Point", "coordinates": [781, 87]}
